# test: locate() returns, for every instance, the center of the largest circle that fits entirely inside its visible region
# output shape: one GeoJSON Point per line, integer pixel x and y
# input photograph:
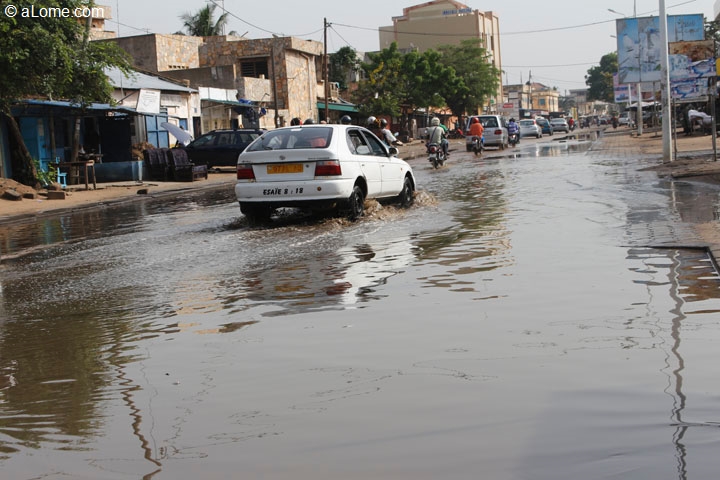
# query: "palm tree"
{"type": "Point", "coordinates": [201, 23]}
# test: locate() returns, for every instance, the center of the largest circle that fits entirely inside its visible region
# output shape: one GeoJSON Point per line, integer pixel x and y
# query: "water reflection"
{"type": "Point", "coordinates": [478, 240]}
{"type": "Point", "coordinates": [692, 280]}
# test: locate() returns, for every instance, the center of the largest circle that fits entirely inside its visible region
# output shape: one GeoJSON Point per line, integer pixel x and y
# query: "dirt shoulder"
{"type": "Point", "coordinates": [35, 203]}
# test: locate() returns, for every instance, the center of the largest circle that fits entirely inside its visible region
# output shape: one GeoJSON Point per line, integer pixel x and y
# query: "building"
{"type": "Point", "coordinates": [528, 99]}
{"type": "Point", "coordinates": [446, 22]}
{"type": "Point", "coordinates": [259, 82]}
{"type": "Point", "coordinates": [99, 13]}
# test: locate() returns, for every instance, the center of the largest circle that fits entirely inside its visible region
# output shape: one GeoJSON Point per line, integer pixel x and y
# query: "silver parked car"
{"type": "Point", "coordinates": [320, 168]}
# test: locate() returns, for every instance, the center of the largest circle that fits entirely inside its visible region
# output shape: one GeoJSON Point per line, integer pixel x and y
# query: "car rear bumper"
{"type": "Point", "coordinates": [295, 194]}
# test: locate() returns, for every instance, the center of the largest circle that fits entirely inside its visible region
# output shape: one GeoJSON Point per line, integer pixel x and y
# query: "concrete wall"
{"type": "Point", "coordinates": [159, 53]}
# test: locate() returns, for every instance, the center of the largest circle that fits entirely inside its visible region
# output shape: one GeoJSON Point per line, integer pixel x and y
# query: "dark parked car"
{"type": "Point", "coordinates": [220, 148]}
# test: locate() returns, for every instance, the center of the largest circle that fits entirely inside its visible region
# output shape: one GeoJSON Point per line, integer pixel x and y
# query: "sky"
{"type": "Point", "coordinates": [554, 42]}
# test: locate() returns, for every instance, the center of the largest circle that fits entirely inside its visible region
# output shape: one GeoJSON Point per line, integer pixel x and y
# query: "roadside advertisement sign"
{"type": "Point", "coordinates": [691, 60]}
{"type": "Point", "coordinates": [638, 44]}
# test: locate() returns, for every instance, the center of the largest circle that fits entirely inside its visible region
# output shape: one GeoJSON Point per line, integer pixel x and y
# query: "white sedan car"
{"type": "Point", "coordinates": [529, 128]}
{"type": "Point", "coordinates": [320, 168]}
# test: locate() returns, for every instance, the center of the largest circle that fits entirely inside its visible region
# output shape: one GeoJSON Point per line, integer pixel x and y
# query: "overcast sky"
{"type": "Point", "coordinates": [556, 40]}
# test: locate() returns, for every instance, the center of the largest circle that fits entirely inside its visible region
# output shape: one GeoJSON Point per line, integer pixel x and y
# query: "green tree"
{"type": "Point", "coordinates": [600, 78]}
{"type": "Point", "coordinates": [479, 77]}
{"type": "Point", "coordinates": [398, 83]}
{"type": "Point", "coordinates": [342, 64]}
{"type": "Point", "coordinates": [52, 58]}
{"type": "Point", "coordinates": [202, 24]}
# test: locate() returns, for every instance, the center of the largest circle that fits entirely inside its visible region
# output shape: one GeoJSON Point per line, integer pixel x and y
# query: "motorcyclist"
{"type": "Point", "coordinates": [345, 120]}
{"type": "Point", "coordinates": [513, 128]}
{"type": "Point", "coordinates": [476, 128]}
{"type": "Point", "coordinates": [436, 134]}
{"type": "Point", "coordinates": [386, 135]}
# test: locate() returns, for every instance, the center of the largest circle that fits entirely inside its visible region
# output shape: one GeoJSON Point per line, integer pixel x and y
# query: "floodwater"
{"type": "Point", "coordinates": [532, 316]}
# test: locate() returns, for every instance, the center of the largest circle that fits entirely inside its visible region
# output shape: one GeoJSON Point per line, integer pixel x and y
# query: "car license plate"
{"type": "Point", "coordinates": [285, 168]}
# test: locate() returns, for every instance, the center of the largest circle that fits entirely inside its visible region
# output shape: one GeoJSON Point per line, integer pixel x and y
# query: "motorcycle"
{"type": "Point", "coordinates": [436, 155]}
{"type": "Point", "coordinates": [478, 145]}
{"type": "Point", "coordinates": [514, 138]}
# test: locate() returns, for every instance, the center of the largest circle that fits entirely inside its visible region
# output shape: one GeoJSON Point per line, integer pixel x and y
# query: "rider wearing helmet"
{"type": "Point", "coordinates": [513, 127]}
{"type": "Point", "coordinates": [309, 121]}
{"type": "Point", "coordinates": [386, 135]}
{"type": "Point", "coordinates": [346, 120]}
{"type": "Point", "coordinates": [476, 128]}
{"type": "Point", "coordinates": [436, 134]}
{"type": "Point", "coordinates": [295, 121]}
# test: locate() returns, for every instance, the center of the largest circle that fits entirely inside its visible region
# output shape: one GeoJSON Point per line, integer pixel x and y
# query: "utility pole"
{"type": "Point", "coordinates": [326, 80]}
{"type": "Point", "coordinates": [665, 86]}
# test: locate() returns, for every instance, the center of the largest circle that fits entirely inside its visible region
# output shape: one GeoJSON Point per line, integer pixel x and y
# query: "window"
{"type": "Point", "coordinates": [356, 140]}
{"type": "Point", "coordinates": [254, 68]}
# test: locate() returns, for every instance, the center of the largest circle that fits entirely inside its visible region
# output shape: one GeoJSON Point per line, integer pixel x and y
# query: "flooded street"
{"type": "Point", "coordinates": [530, 317]}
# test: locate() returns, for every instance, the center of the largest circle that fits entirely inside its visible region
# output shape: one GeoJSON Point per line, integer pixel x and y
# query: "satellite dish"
{"type": "Point", "coordinates": [182, 135]}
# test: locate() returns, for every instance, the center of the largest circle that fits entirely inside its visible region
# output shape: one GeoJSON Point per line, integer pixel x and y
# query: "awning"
{"type": "Point", "coordinates": [338, 107]}
{"type": "Point", "coordinates": [40, 108]}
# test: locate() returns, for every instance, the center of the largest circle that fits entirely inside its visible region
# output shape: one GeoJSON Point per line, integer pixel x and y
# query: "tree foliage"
{"type": "Point", "coordinates": [480, 78]}
{"type": "Point", "coordinates": [202, 24]}
{"type": "Point", "coordinates": [600, 78]}
{"type": "Point", "coordinates": [51, 58]}
{"type": "Point", "coordinates": [341, 64]}
{"type": "Point", "coordinates": [397, 82]}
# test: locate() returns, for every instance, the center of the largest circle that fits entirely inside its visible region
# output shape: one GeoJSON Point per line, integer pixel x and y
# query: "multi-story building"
{"type": "Point", "coordinates": [447, 22]}
{"type": "Point", "coordinates": [531, 98]}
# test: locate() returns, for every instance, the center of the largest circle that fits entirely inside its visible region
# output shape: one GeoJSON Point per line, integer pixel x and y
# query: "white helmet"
{"type": "Point", "coordinates": [435, 122]}
{"type": "Point", "coordinates": [371, 120]}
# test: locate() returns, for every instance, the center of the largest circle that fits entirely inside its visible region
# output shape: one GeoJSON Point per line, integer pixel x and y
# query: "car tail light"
{"type": "Point", "coordinates": [326, 168]}
{"type": "Point", "coordinates": [245, 172]}
{"type": "Point", "coordinates": [498, 131]}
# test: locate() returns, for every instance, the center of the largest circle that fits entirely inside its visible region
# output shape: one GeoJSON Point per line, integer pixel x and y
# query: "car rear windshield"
{"type": "Point", "coordinates": [293, 139]}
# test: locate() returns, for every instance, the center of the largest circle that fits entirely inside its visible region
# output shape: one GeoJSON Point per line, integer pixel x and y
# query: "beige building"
{"type": "Point", "coordinates": [99, 13]}
{"type": "Point", "coordinates": [278, 76]}
{"type": "Point", "coordinates": [446, 22]}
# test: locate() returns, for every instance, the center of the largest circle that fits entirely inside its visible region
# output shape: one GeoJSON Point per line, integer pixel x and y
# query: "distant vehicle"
{"type": "Point", "coordinates": [560, 125]}
{"type": "Point", "coordinates": [320, 168]}
{"type": "Point", "coordinates": [544, 125]}
{"type": "Point", "coordinates": [624, 119]}
{"type": "Point", "coordinates": [529, 128]}
{"type": "Point", "coordinates": [220, 148]}
{"type": "Point", "coordinates": [495, 133]}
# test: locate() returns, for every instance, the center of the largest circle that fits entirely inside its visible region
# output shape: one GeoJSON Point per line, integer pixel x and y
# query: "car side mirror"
{"type": "Point", "coordinates": [393, 151]}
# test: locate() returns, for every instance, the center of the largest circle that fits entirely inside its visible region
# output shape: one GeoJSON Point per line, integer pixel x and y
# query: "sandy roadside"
{"type": "Point", "coordinates": [76, 197]}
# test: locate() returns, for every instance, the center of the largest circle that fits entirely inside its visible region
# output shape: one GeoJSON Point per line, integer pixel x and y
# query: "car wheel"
{"type": "Point", "coordinates": [256, 214]}
{"type": "Point", "coordinates": [407, 196]}
{"type": "Point", "coordinates": [356, 203]}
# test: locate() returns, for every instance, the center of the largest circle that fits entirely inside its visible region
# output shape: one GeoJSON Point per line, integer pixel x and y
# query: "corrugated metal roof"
{"type": "Point", "coordinates": [137, 80]}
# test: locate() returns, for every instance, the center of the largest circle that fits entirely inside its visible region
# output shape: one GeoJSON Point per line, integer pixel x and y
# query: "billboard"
{"type": "Point", "coordinates": [691, 60]}
{"type": "Point", "coordinates": [638, 44]}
